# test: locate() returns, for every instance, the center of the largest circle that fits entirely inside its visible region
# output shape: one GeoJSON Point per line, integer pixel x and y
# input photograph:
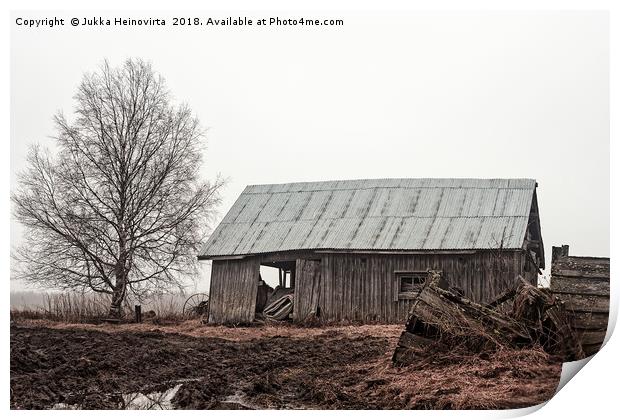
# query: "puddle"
{"type": "Point", "coordinates": [236, 401]}
{"type": "Point", "coordinates": [63, 406]}
{"type": "Point", "coordinates": [152, 401]}
{"type": "Point", "coordinates": [163, 400]}
{"type": "Point", "coordinates": [136, 400]}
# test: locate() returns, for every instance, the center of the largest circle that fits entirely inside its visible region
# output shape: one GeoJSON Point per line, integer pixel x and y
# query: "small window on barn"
{"type": "Point", "coordinates": [408, 283]}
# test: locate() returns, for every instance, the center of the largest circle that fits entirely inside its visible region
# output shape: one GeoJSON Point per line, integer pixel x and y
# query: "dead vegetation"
{"type": "Point", "coordinates": [92, 308]}
{"type": "Point", "coordinates": [444, 322]}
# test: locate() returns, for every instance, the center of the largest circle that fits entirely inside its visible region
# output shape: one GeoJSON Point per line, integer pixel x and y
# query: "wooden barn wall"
{"type": "Point", "coordinates": [363, 288]}
{"type": "Point", "coordinates": [360, 287]}
{"type": "Point", "coordinates": [583, 284]}
{"type": "Point", "coordinates": [234, 285]}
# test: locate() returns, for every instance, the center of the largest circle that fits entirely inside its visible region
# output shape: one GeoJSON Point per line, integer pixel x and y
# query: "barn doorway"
{"type": "Point", "coordinates": [278, 273]}
{"type": "Point", "coordinates": [276, 286]}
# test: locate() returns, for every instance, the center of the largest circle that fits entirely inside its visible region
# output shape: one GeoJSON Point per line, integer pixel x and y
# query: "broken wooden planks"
{"type": "Point", "coordinates": [441, 320]}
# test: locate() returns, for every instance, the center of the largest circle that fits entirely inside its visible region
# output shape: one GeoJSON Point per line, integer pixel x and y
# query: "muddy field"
{"type": "Point", "coordinates": [191, 366]}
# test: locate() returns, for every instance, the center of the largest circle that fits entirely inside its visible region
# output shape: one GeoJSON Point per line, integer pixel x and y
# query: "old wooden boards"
{"type": "Point", "coordinates": [444, 321]}
{"type": "Point", "coordinates": [441, 320]}
{"type": "Point", "coordinates": [357, 287]}
{"type": "Point", "coordinates": [582, 283]}
{"type": "Point", "coordinates": [307, 289]}
{"type": "Point", "coordinates": [234, 286]}
{"type": "Point", "coordinates": [361, 287]}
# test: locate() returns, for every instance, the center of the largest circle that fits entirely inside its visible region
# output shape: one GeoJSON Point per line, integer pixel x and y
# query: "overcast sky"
{"type": "Point", "coordinates": [484, 95]}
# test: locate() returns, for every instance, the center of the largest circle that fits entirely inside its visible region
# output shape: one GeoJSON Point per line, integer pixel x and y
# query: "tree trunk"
{"type": "Point", "coordinates": [116, 306]}
{"type": "Point", "coordinates": [120, 287]}
{"type": "Point", "coordinates": [119, 291]}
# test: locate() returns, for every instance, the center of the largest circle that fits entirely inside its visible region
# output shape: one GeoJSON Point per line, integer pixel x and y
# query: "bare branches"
{"type": "Point", "coordinates": [121, 205]}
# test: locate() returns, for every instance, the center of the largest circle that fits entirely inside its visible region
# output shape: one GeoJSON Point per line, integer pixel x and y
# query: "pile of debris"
{"type": "Point", "coordinates": [280, 309]}
{"type": "Point", "coordinates": [275, 304]}
{"type": "Point", "coordinates": [444, 320]}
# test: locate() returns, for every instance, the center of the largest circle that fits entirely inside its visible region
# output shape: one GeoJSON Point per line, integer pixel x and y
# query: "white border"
{"type": "Point", "coordinates": [591, 395]}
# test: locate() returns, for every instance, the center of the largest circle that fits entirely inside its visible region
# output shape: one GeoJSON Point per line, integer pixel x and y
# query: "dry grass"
{"type": "Point", "coordinates": [195, 328]}
{"type": "Point", "coordinates": [499, 379]}
{"type": "Point", "coordinates": [65, 307]}
{"type": "Point", "coordinates": [75, 308]}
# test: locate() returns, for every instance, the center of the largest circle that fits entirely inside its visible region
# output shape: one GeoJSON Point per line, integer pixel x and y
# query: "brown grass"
{"type": "Point", "coordinates": [67, 307]}
{"type": "Point", "coordinates": [75, 308]}
{"type": "Point", "coordinates": [195, 328]}
{"type": "Point", "coordinates": [504, 378]}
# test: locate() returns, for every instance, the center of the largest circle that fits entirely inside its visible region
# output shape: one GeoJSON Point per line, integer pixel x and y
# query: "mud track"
{"type": "Point", "coordinates": [327, 368]}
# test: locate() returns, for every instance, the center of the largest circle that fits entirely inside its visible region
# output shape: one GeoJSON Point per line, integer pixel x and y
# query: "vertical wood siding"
{"type": "Point", "coordinates": [365, 288]}
{"type": "Point", "coordinates": [307, 288]}
{"type": "Point", "coordinates": [234, 285]}
{"type": "Point", "coordinates": [362, 287]}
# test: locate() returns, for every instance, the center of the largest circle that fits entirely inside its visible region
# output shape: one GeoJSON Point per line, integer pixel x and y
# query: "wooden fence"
{"type": "Point", "coordinates": [583, 284]}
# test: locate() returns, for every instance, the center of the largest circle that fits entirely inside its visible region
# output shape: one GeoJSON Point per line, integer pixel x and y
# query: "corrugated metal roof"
{"type": "Point", "coordinates": [376, 214]}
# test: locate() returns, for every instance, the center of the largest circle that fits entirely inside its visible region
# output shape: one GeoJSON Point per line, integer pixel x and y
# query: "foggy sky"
{"type": "Point", "coordinates": [482, 95]}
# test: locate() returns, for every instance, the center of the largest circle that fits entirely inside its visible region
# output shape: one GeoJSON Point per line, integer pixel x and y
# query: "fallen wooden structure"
{"type": "Point", "coordinates": [442, 320]}
{"type": "Point", "coordinates": [582, 284]}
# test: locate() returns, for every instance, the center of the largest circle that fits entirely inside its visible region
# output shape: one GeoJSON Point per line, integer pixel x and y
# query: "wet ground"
{"type": "Point", "coordinates": [256, 368]}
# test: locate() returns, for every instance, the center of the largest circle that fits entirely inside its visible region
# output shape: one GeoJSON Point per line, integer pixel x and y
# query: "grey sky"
{"type": "Point", "coordinates": [488, 95]}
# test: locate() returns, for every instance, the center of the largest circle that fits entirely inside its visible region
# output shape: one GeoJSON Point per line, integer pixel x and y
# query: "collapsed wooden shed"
{"type": "Point", "coordinates": [582, 283]}
{"type": "Point", "coordinates": [358, 250]}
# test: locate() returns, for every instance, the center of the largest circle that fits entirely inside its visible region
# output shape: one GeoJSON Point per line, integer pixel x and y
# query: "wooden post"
{"type": "Point", "coordinates": [138, 312]}
{"type": "Point", "coordinates": [559, 251]}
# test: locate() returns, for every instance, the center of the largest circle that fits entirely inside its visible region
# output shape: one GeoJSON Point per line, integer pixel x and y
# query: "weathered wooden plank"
{"type": "Point", "coordinates": [579, 285]}
{"type": "Point", "coordinates": [364, 290]}
{"type": "Point", "coordinates": [593, 324]}
{"type": "Point", "coordinates": [594, 294]}
{"type": "Point", "coordinates": [590, 349]}
{"type": "Point", "coordinates": [590, 320]}
{"type": "Point", "coordinates": [306, 298]}
{"type": "Point", "coordinates": [324, 287]}
{"type": "Point", "coordinates": [300, 291]}
{"type": "Point", "coordinates": [585, 303]}
{"type": "Point", "coordinates": [339, 283]}
{"type": "Point", "coordinates": [325, 294]}
{"type": "Point", "coordinates": [581, 265]}
{"type": "Point", "coordinates": [357, 294]}
{"type": "Point", "coordinates": [216, 292]}
{"type": "Point", "coordinates": [348, 285]}
{"type": "Point", "coordinates": [411, 347]}
{"type": "Point", "coordinates": [234, 285]}
{"type": "Point", "coordinates": [253, 270]}
{"type": "Point", "coordinates": [580, 273]}
{"type": "Point", "coordinates": [588, 338]}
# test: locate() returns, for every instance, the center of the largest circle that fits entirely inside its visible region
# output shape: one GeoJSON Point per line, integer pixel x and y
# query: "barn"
{"type": "Point", "coordinates": [357, 250]}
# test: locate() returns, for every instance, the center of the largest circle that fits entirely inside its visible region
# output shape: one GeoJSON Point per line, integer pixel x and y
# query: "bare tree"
{"type": "Point", "coordinates": [120, 209]}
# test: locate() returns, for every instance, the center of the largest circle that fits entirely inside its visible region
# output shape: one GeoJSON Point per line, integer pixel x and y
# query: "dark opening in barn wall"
{"type": "Point", "coordinates": [276, 303]}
